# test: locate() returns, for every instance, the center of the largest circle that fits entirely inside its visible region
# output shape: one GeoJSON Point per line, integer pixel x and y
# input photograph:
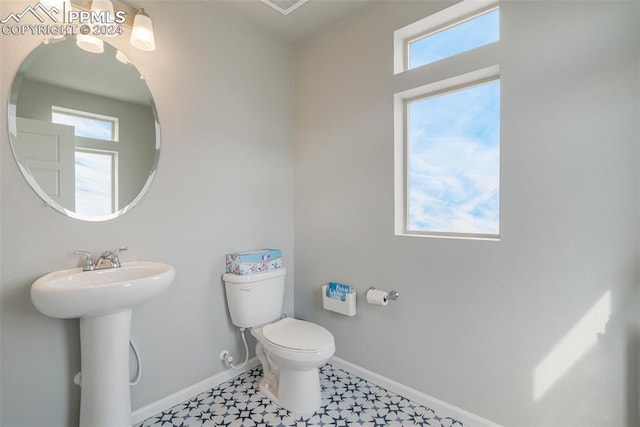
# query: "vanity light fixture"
{"type": "Point", "coordinates": [91, 43]}
{"type": "Point", "coordinates": [137, 20]}
{"type": "Point", "coordinates": [104, 7]}
{"type": "Point", "coordinates": [142, 32]}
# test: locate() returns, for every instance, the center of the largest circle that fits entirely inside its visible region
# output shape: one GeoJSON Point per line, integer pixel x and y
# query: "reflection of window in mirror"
{"type": "Point", "coordinates": [96, 164]}
{"type": "Point", "coordinates": [96, 182]}
{"type": "Point", "coordinates": [87, 124]}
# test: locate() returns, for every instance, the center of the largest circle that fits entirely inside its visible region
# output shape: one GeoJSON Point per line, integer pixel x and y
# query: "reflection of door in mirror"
{"type": "Point", "coordinates": [47, 151]}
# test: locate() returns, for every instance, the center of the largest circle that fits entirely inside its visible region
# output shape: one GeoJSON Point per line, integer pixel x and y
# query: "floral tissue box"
{"type": "Point", "coordinates": [254, 261]}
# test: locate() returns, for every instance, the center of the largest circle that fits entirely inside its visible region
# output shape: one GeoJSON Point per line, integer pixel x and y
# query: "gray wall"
{"type": "Point", "coordinates": [223, 91]}
{"type": "Point", "coordinates": [477, 321]}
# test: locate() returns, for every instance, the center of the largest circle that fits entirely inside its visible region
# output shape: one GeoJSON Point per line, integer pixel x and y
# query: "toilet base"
{"type": "Point", "coordinates": [297, 391]}
{"type": "Point", "coordinates": [300, 391]}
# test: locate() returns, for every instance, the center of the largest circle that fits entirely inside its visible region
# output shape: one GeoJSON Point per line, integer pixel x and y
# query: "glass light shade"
{"type": "Point", "coordinates": [90, 43]}
{"type": "Point", "coordinates": [106, 7]}
{"type": "Point", "coordinates": [142, 33]}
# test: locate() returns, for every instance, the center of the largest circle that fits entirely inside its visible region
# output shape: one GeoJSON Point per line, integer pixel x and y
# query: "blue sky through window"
{"type": "Point", "coordinates": [454, 161]}
{"type": "Point", "coordinates": [476, 32]}
{"type": "Point", "coordinates": [94, 183]}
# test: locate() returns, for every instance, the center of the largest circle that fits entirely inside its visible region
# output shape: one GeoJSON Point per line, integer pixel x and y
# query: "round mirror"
{"type": "Point", "coordinates": [84, 130]}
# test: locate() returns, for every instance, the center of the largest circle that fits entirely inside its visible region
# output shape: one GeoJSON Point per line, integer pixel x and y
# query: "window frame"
{"type": "Point", "coordinates": [91, 116]}
{"type": "Point", "coordinates": [401, 152]}
{"type": "Point", "coordinates": [443, 27]}
{"type": "Point", "coordinates": [439, 21]}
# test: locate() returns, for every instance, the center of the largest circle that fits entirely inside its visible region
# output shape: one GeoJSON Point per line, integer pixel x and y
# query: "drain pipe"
{"type": "Point", "coordinates": [136, 380]}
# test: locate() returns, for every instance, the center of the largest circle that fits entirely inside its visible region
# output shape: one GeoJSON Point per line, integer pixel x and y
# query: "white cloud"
{"type": "Point", "coordinates": [454, 187]}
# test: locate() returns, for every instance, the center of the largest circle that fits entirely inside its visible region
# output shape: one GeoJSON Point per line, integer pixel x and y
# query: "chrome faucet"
{"type": "Point", "coordinates": [108, 259]}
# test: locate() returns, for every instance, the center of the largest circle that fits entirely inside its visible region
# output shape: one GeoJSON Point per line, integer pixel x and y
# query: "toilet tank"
{"type": "Point", "coordinates": [255, 299]}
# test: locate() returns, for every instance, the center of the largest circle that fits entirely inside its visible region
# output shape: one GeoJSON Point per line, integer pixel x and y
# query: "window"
{"type": "Point", "coordinates": [469, 34]}
{"type": "Point", "coordinates": [85, 124]}
{"type": "Point", "coordinates": [466, 25]}
{"type": "Point", "coordinates": [453, 152]}
{"type": "Point", "coordinates": [447, 138]}
{"type": "Point", "coordinates": [96, 160]}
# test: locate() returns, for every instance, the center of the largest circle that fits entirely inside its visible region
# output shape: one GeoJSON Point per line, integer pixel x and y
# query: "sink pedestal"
{"type": "Point", "coordinates": [105, 391]}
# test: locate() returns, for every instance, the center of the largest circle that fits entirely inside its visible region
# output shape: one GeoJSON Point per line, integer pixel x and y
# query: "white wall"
{"type": "Point", "coordinates": [478, 321]}
{"type": "Point", "coordinates": [224, 95]}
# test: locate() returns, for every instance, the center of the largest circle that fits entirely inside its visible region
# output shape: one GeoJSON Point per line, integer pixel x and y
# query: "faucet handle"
{"type": "Point", "coordinates": [115, 258]}
{"type": "Point", "coordinates": [88, 260]}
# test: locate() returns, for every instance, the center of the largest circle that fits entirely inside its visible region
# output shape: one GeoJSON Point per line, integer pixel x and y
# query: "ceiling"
{"type": "Point", "coordinates": [300, 23]}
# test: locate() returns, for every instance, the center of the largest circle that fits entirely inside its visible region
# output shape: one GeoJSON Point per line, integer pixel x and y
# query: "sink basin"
{"type": "Point", "coordinates": [75, 293]}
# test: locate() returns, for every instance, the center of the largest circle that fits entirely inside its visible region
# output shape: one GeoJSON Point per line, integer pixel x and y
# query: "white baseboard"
{"type": "Point", "coordinates": [180, 396]}
{"type": "Point", "coordinates": [440, 407]}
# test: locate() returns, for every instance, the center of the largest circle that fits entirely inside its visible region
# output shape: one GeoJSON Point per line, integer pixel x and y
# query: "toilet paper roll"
{"type": "Point", "coordinates": [377, 297]}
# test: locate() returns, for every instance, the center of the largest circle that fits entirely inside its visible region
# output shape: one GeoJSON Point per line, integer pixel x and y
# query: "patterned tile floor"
{"type": "Point", "coordinates": [346, 401]}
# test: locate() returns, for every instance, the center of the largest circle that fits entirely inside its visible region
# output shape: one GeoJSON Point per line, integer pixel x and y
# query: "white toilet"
{"type": "Point", "coordinates": [291, 350]}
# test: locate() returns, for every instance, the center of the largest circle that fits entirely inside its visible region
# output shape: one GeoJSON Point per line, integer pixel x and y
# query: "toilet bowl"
{"type": "Point", "coordinates": [290, 350]}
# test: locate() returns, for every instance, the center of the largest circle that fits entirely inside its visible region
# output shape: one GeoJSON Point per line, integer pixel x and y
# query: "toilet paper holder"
{"type": "Point", "coordinates": [392, 295]}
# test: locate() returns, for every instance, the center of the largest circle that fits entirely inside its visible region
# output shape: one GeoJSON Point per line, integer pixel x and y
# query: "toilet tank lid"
{"type": "Point", "coordinates": [298, 334]}
{"type": "Point", "coordinates": [254, 277]}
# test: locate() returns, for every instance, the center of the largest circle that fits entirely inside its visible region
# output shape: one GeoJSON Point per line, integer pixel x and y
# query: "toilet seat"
{"type": "Point", "coordinates": [299, 335]}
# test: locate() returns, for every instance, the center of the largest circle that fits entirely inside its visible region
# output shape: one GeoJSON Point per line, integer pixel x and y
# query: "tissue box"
{"type": "Point", "coordinates": [254, 261]}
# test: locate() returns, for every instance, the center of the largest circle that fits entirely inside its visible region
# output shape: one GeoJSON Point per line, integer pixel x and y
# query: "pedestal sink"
{"type": "Point", "coordinates": [103, 300]}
